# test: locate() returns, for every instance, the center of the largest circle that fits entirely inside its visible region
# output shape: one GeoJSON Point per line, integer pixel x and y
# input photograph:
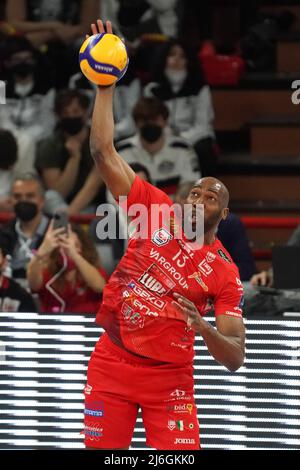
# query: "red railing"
{"type": "Point", "coordinates": [249, 222]}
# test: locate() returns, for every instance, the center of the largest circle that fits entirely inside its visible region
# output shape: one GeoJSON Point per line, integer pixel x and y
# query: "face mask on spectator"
{"type": "Point", "coordinates": [23, 89]}
{"type": "Point", "coordinates": [151, 132]}
{"type": "Point", "coordinates": [72, 125]}
{"type": "Point", "coordinates": [175, 77]}
{"type": "Point", "coordinates": [26, 211]}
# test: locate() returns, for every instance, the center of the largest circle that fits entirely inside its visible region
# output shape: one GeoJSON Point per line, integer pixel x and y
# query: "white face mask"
{"type": "Point", "coordinates": [23, 89]}
{"type": "Point", "coordinates": [175, 77]}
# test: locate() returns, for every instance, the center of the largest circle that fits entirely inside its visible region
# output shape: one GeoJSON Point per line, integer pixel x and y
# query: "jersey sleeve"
{"type": "Point", "coordinates": [230, 298]}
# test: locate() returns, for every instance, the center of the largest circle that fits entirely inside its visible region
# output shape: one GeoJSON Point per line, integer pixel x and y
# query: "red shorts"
{"type": "Point", "coordinates": [119, 383]}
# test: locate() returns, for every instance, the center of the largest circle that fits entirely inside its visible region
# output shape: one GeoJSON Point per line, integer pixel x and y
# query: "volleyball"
{"type": "Point", "coordinates": [103, 58]}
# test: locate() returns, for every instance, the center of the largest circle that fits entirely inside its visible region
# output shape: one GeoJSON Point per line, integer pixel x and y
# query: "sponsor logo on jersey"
{"type": "Point", "coordinates": [233, 314]}
{"type": "Point", "coordinates": [179, 345]}
{"type": "Point", "coordinates": [155, 280]}
{"type": "Point", "coordinates": [93, 431]}
{"type": "Point", "coordinates": [161, 237]}
{"type": "Point", "coordinates": [162, 261]}
{"type": "Point", "coordinates": [171, 425]}
{"type": "Point", "coordinates": [184, 408]}
{"type": "Point", "coordinates": [224, 256]}
{"type": "Point", "coordinates": [134, 319]}
{"type": "Point", "coordinates": [95, 409]}
{"type": "Point", "coordinates": [210, 257]}
{"type": "Point", "coordinates": [177, 393]}
{"type": "Point", "coordinates": [88, 389]}
{"type": "Point", "coordinates": [178, 440]}
{"type": "Point", "coordinates": [197, 276]}
{"type": "Point", "coordinates": [158, 303]}
{"type": "Point", "coordinates": [205, 268]}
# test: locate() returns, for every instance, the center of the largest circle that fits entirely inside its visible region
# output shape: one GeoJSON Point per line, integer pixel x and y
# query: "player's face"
{"type": "Point", "coordinates": [176, 59]}
{"type": "Point", "coordinates": [27, 191]}
{"type": "Point", "coordinates": [210, 195]}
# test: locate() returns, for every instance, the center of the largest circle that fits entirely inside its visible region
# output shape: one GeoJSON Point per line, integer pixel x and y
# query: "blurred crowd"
{"type": "Point", "coordinates": [164, 128]}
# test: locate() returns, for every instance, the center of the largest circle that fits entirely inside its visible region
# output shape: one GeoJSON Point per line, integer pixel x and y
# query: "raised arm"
{"type": "Point", "coordinates": [116, 173]}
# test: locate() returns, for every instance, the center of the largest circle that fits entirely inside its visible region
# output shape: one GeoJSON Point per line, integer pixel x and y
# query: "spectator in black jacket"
{"type": "Point", "coordinates": [13, 298]}
{"type": "Point", "coordinates": [25, 233]}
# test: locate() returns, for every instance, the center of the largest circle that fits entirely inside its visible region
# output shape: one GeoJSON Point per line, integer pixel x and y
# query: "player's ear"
{"type": "Point", "coordinates": [225, 213]}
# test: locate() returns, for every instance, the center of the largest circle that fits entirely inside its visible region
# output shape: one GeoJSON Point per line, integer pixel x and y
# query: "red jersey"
{"type": "Point", "coordinates": [77, 297]}
{"type": "Point", "coordinates": [137, 310]}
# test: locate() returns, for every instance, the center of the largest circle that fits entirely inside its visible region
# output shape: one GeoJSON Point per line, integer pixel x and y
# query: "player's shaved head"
{"type": "Point", "coordinates": [210, 183]}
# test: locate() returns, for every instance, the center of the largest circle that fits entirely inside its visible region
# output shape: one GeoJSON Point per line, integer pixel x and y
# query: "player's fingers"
{"type": "Point", "coordinates": [100, 26]}
{"type": "Point", "coordinates": [94, 29]}
{"type": "Point", "coordinates": [184, 300]}
{"type": "Point", "coordinates": [109, 27]}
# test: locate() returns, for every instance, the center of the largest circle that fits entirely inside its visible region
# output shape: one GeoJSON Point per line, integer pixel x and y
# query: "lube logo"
{"type": "Point", "coordinates": [155, 280]}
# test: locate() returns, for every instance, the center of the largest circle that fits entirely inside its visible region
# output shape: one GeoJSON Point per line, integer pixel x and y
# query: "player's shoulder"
{"type": "Point", "coordinates": [224, 260]}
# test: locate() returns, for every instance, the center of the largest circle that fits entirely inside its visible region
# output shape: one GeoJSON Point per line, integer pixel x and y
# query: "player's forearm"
{"type": "Point", "coordinates": [227, 350]}
{"type": "Point", "coordinates": [102, 130]}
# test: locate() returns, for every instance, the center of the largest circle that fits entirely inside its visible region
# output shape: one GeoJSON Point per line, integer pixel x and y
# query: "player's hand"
{"type": "Point", "coordinates": [73, 146]}
{"type": "Point", "coordinates": [189, 310]}
{"type": "Point", "coordinates": [262, 279]}
{"type": "Point", "coordinates": [98, 27]}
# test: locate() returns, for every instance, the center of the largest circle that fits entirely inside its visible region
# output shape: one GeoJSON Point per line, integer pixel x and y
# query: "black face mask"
{"type": "Point", "coordinates": [26, 211]}
{"type": "Point", "coordinates": [22, 69]}
{"type": "Point", "coordinates": [151, 132]}
{"type": "Point", "coordinates": [72, 126]}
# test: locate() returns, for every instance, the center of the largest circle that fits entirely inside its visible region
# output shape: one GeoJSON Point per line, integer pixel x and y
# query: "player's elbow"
{"type": "Point", "coordinates": [101, 151]}
{"type": "Point", "coordinates": [234, 365]}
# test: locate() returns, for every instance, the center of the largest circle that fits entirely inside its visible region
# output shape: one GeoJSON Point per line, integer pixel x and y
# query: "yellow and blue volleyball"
{"type": "Point", "coordinates": [103, 58]}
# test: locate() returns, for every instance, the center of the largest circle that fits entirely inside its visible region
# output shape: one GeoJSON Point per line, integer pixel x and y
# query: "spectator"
{"type": "Point", "coordinates": [179, 83]}
{"type": "Point", "coordinates": [139, 17]}
{"type": "Point", "coordinates": [60, 25]}
{"type": "Point", "coordinates": [265, 278]}
{"type": "Point", "coordinates": [128, 91]}
{"type": "Point", "coordinates": [64, 161]}
{"type": "Point", "coordinates": [25, 232]}
{"type": "Point", "coordinates": [232, 234]}
{"type": "Point", "coordinates": [9, 156]}
{"type": "Point", "coordinates": [28, 112]}
{"type": "Point", "coordinates": [66, 272]}
{"type": "Point", "coordinates": [168, 158]}
{"type": "Point", "coordinates": [13, 298]}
